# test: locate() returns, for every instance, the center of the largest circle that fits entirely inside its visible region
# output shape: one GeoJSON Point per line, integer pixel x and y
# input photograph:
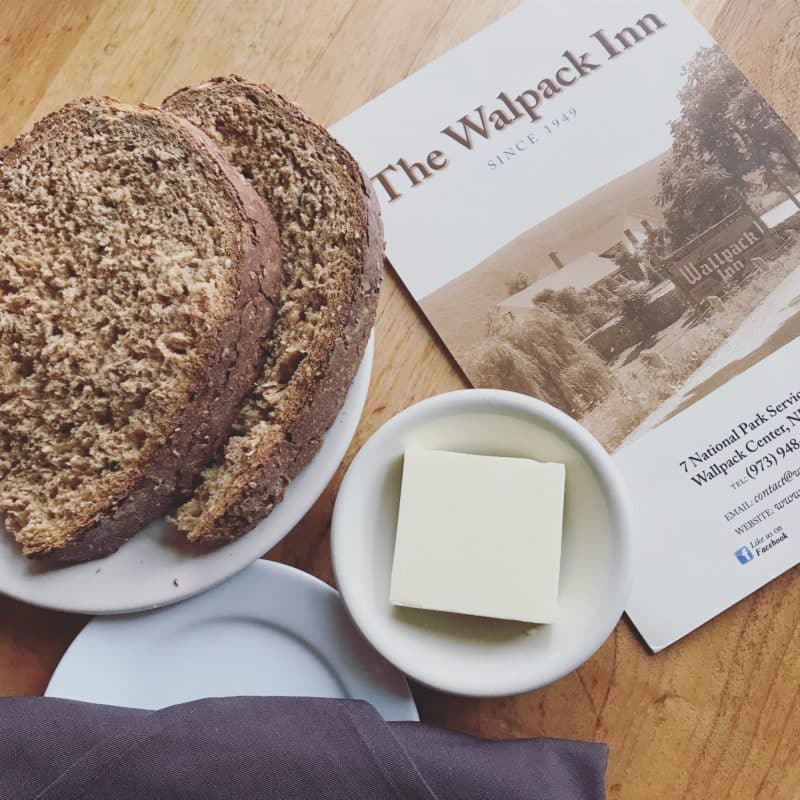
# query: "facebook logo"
{"type": "Point", "coordinates": [745, 555]}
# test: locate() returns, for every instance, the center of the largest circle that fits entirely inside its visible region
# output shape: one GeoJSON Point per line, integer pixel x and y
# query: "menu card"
{"type": "Point", "coordinates": [593, 206]}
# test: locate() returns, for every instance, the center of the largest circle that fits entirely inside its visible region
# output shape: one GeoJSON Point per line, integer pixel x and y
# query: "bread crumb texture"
{"type": "Point", "coordinates": [316, 194]}
{"type": "Point", "coordinates": [115, 243]}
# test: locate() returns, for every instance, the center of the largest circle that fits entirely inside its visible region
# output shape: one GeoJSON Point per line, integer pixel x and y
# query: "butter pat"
{"type": "Point", "coordinates": [479, 535]}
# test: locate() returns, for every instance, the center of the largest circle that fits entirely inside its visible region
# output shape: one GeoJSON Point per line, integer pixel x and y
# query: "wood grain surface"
{"type": "Point", "coordinates": [715, 716]}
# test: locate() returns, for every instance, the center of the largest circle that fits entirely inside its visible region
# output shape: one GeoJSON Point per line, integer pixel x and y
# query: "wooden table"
{"type": "Point", "coordinates": [716, 715]}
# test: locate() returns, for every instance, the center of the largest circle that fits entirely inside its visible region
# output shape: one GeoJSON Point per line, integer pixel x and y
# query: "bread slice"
{"type": "Point", "coordinates": [332, 251]}
{"type": "Point", "coordinates": [138, 279]}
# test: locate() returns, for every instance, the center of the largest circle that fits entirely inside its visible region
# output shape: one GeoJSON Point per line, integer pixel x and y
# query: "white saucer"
{"type": "Point", "coordinates": [273, 630]}
{"type": "Point", "coordinates": [158, 566]}
{"type": "Point", "coordinates": [474, 655]}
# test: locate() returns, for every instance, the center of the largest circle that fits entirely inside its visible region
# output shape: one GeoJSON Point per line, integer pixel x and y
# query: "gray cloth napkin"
{"type": "Point", "coordinates": [247, 748]}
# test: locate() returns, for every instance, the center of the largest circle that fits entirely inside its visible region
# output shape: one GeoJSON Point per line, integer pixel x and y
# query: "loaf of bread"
{"type": "Point", "coordinates": [332, 253]}
{"type": "Point", "coordinates": [139, 275]}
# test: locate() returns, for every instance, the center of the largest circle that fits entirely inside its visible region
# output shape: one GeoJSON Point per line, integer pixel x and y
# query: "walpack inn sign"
{"type": "Point", "coordinates": [720, 257]}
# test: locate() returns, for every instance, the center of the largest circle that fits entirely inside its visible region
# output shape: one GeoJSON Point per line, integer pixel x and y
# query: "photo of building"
{"type": "Point", "coordinates": [591, 269]}
{"type": "Point", "coordinates": [642, 297]}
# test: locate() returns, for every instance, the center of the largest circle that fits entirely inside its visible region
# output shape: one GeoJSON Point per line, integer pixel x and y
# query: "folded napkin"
{"type": "Point", "coordinates": [244, 748]}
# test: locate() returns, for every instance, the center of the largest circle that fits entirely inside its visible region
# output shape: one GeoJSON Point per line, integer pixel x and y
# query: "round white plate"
{"type": "Point", "coordinates": [471, 655]}
{"type": "Point", "coordinates": [273, 630]}
{"type": "Point", "coordinates": [158, 566]}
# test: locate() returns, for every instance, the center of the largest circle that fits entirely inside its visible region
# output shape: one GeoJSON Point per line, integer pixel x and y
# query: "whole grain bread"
{"type": "Point", "coordinates": [332, 253]}
{"type": "Point", "coordinates": [139, 275]}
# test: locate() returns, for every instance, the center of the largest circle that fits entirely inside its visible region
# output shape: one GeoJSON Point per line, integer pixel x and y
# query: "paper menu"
{"type": "Point", "coordinates": [593, 206]}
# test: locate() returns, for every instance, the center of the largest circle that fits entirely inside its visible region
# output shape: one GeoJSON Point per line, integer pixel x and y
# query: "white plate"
{"type": "Point", "coordinates": [158, 566]}
{"type": "Point", "coordinates": [272, 630]}
{"type": "Point", "coordinates": [472, 655]}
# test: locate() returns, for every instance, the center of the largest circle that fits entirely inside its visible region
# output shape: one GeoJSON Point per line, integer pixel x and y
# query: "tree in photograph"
{"type": "Point", "coordinates": [586, 310]}
{"type": "Point", "coordinates": [655, 249]}
{"type": "Point", "coordinates": [631, 261]}
{"type": "Point", "coordinates": [726, 141]}
{"type": "Point", "coordinates": [633, 298]}
{"type": "Point", "coordinates": [517, 282]}
{"type": "Point", "coordinates": [541, 354]}
{"type": "Point", "coordinates": [495, 363]}
{"type": "Point", "coordinates": [571, 376]}
{"type": "Point", "coordinates": [771, 144]}
{"type": "Point", "coordinates": [693, 191]}
{"type": "Point", "coordinates": [568, 301]}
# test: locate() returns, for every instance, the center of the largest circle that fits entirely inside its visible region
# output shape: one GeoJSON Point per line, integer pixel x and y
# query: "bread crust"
{"type": "Point", "coordinates": [264, 488]}
{"type": "Point", "coordinates": [251, 496]}
{"type": "Point", "coordinates": [225, 369]}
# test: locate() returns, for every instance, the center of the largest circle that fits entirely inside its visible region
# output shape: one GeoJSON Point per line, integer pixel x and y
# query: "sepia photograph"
{"type": "Point", "coordinates": [652, 291]}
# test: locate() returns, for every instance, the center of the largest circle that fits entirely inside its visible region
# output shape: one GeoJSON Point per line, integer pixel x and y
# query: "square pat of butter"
{"type": "Point", "coordinates": [479, 535]}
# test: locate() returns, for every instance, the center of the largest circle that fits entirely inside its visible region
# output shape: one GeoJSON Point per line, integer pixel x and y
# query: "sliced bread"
{"type": "Point", "coordinates": [332, 252]}
{"type": "Point", "coordinates": [138, 279]}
